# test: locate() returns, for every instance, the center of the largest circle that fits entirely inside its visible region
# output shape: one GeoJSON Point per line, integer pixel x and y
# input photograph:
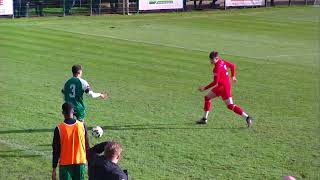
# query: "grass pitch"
{"type": "Point", "coordinates": [151, 65]}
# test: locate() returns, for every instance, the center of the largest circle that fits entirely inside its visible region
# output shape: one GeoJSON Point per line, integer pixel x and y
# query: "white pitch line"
{"type": "Point", "coordinates": [173, 46]}
{"type": "Point", "coordinates": [24, 148]}
{"type": "Point", "coordinates": [291, 55]}
{"type": "Point", "coordinates": [124, 39]}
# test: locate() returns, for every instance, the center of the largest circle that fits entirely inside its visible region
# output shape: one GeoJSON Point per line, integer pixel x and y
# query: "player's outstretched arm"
{"type": "Point", "coordinates": [213, 84]}
{"type": "Point", "coordinates": [87, 89]}
{"type": "Point", "coordinates": [234, 79]}
{"type": "Point", "coordinates": [103, 95]}
{"type": "Point", "coordinates": [201, 88]}
{"type": "Point", "coordinates": [96, 95]}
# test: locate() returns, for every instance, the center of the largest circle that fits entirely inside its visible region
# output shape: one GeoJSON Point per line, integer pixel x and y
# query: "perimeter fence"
{"type": "Point", "coordinates": [31, 8]}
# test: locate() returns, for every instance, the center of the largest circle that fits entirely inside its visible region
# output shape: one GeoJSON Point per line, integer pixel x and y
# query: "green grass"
{"type": "Point", "coordinates": [151, 65]}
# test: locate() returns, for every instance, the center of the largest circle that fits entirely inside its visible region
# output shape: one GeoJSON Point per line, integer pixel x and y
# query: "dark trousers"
{"type": "Point", "coordinates": [114, 5]}
{"type": "Point", "coordinates": [39, 7]}
{"type": "Point", "coordinates": [68, 5]}
{"type": "Point", "coordinates": [95, 6]}
{"type": "Point", "coordinates": [20, 8]}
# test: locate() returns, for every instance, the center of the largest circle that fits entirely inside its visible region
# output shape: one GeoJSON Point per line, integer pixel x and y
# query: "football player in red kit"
{"type": "Point", "coordinates": [221, 86]}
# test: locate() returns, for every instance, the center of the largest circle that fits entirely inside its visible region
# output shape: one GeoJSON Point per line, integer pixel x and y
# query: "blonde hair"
{"type": "Point", "coordinates": [112, 149]}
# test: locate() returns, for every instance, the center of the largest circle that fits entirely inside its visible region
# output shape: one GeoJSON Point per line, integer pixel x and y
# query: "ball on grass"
{"type": "Point", "coordinates": [97, 131]}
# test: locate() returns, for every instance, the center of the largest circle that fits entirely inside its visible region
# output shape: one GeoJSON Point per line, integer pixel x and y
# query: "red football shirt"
{"type": "Point", "coordinates": [220, 73]}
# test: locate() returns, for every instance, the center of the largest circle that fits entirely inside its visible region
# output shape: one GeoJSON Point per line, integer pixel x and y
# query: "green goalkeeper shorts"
{"type": "Point", "coordinates": [71, 172]}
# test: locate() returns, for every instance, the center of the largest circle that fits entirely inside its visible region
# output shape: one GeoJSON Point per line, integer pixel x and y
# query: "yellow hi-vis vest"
{"type": "Point", "coordinates": [72, 143]}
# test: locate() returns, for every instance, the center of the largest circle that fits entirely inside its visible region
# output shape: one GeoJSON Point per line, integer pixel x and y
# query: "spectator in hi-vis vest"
{"type": "Point", "coordinates": [69, 147]}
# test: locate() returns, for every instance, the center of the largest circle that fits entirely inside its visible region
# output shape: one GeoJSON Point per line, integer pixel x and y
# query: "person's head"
{"type": "Point", "coordinates": [67, 110]}
{"type": "Point", "coordinates": [77, 70]}
{"type": "Point", "coordinates": [213, 56]}
{"type": "Point", "coordinates": [112, 151]}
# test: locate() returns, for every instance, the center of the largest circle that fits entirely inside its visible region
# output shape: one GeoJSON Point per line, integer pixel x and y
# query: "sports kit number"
{"type": "Point", "coordinates": [225, 67]}
{"type": "Point", "coordinates": [73, 91]}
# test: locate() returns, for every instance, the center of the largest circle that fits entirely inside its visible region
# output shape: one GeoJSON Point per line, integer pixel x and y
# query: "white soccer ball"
{"type": "Point", "coordinates": [97, 131]}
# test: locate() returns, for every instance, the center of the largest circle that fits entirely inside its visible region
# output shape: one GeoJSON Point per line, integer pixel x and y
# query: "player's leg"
{"type": "Point", "coordinates": [233, 107]}
{"type": "Point", "coordinates": [238, 110]}
{"type": "Point", "coordinates": [65, 172]}
{"type": "Point", "coordinates": [79, 171]}
{"type": "Point", "coordinates": [207, 107]}
{"type": "Point", "coordinates": [227, 97]}
{"type": "Point", "coordinates": [207, 103]}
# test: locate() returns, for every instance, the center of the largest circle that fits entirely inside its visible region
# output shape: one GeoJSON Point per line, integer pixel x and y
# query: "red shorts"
{"type": "Point", "coordinates": [222, 90]}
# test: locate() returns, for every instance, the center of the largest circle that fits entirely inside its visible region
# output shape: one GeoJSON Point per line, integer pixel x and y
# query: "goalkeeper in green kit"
{"type": "Point", "coordinates": [73, 92]}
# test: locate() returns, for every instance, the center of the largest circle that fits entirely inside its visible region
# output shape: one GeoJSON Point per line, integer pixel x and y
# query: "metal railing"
{"type": "Point", "coordinates": [30, 8]}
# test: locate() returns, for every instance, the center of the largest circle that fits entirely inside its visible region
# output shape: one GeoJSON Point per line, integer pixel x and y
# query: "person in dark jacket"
{"type": "Point", "coordinates": [106, 166]}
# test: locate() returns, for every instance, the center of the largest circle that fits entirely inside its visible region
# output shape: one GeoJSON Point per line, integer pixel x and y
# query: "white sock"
{"type": "Point", "coordinates": [244, 115]}
{"type": "Point", "coordinates": [205, 114]}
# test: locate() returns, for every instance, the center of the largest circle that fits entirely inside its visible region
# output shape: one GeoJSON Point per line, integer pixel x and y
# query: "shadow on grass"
{"type": "Point", "coordinates": [134, 127]}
